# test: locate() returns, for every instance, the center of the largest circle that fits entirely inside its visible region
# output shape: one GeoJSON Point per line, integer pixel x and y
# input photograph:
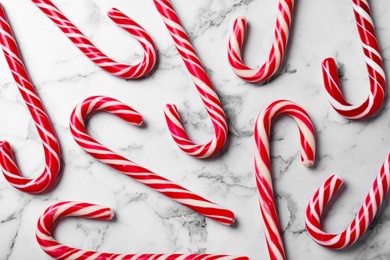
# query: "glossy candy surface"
{"type": "Point", "coordinates": [60, 210]}
{"type": "Point", "coordinates": [374, 64]}
{"type": "Point", "coordinates": [361, 222]}
{"type": "Point", "coordinates": [37, 111]}
{"type": "Point", "coordinates": [203, 85]}
{"type": "Point", "coordinates": [131, 169]}
{"type": "Point", "coordinates": [125, 71]}
{"type": "Point", "coordinates": [272, 230]}
{"type": "Point", "coordinates": [276, 54]}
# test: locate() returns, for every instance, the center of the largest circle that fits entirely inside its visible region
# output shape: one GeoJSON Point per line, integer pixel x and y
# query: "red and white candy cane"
{"type": "Point", "coordinates": [263, 165]}
{"type": "Point", "coordinates": [60, 210]}
{"type": "Point", "coordinates": [203, 85]}
{"type": "Point", "coordinates": [278, 49]}
{"type": "Point", "coordinates": [374, 66]}
{"type": "Point", "coordinates": [94, 54]}
{"type": "Point", "coordinates": [363, 219]}
{"type": "Point", "coordinates": [42, 122]}
{"type": "Point", "coordinates": [131, 169]}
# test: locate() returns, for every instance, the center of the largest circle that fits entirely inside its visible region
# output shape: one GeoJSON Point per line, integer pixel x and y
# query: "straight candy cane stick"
{"type": "Point", "coordinates": [263, 166]}
{"type": "Point", "coordinates": [374, 65]}
{"type": "Point", "coordinates": [42, 122]}
{"type": "Point", "coordinates": [94, 54]}
{"type": "Point", "coordinates": [203, 85]}
{"type": "Point", "coordinates": [278, 49]}
{"type": "Point", "coordinates": [131, 169]}
{"type": "Point", "coordinates": [65, 209]}
{"type": "Point", "coordinates": [363, 219]}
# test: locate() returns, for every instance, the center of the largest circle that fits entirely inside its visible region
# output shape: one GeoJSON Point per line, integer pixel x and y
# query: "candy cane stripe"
{"type": "Point", "coordinates": [61, 210]}
{"type": "Point", "coordinates": [204, 86]}
{"type": "Point", "coordinates": [374, 64]}
{"type": "Point", "coordinates": [131, 169]}
{"type": "Point", "coordinates": [42, 122]}
{"type": "Point", "coordinates": [363, 219]}
{"type": "Point", "coordinates": [125, 71]}
{"type": "Point", "coordinates": [263, 166]}
{"type": "Point", "coordinates": [276, 54]}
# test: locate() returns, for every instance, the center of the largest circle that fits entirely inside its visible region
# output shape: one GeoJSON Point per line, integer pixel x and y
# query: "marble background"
{"type": "Point", "coordinates": [147, 221]}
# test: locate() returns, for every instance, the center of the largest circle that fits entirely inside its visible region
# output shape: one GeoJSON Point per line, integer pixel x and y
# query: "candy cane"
{"type": "Point", "coordinates": [203, 85]}
{"type": "Point", "coordinates": [131, 169]}
{"type": "Point", "coordinates": [263, 166]}
{"type": "Point", "coordinates": [278, 49]}
{"type": "Point", "coordinates": [41, 120]}
{"type": "Point", "coordinates": [65, 209]}
{"type": "Point", "coordinates": [374, 66]}
{"type": "Point", "coordinates": [359, 225]}
{"type": "Point", "coordinates": [94, 54]}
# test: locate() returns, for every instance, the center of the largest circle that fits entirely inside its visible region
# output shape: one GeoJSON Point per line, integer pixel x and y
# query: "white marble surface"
{"type": "Point", "coordinates": [147, 221]}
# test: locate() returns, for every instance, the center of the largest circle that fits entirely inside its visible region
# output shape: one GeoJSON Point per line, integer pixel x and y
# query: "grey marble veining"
{"type": "Point", "coordinates": [147, 221]}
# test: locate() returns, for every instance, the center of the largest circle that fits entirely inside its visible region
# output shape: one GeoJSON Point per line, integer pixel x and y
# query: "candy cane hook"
{"type": "Point", "coordinates": [203, 85]}
{"type": "Point", "coordinates": [363, 219]}
{"type": "Point", "coordinates": [278, 49]}
{"type": "Point", "coordinates": [263, 166]}
{"type": "Point", "coordinates": [58, 211]}
{"type": "Point", "coordinates": [42, 123]}
{"type": "Point", "coordinates": [131, 169]}
{"type": "Point", "coordinates": [374, 65]}
{"type": "Point", "coordinates": [94, 54]}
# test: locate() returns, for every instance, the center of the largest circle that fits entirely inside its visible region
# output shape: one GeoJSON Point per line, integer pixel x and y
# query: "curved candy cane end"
{"type": "Point", "coordinates": [333, 184]}
{"type": "Point", "coordinates": [329, 66]}
{"type": "Point", "coordinates": [130, 116]}
{"type": "Point", "coordinates": [56, 212]}
{"type": "Point", "coordinates": [45, 239]}
{"type": "Point", "coordinates": [308, 153]}
{"type": "Point", "coordinates": [7, 157]}
{"type": "Point", "coordinates": [242, 20]}
{"type": "Point", "coordinates": [322, 197]}
{"type": "Point", "coordinates": [139, 121]}
{"type": "Point", "coordinates": [173, 119]}
{"type": "Point", "coordinates": [230, 218]}
{"type": "Point", "coordinates": [330, 187]}
{"type": "Point", "coordinates": [119, 109]}
{"type": "Point", "coordinates": [133, 118]}
{"type": "Point", "coordinates": [307, 162]}
{"type": "Point", "coordinates": [109, 213]}
{"type": "Point", "coordinates": [99, 212]}
{"type": "Point", "coordinates": [4, 145]}
{"type": "Point", "coordinates": [114, 10]}
{"type": "Point", "coordinates": [171, 109]}
{"type": "Point", "coordinates": [236, 39]}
